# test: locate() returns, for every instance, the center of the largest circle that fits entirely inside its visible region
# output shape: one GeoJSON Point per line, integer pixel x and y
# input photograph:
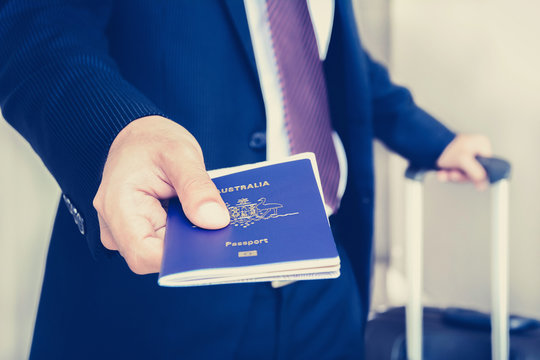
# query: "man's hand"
{"type": "Point", "coordinates": [458, 161]}
{"type": "Point", "coordinates": [151, 159]}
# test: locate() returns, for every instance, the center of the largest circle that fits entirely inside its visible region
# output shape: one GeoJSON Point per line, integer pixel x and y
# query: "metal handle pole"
{"type": "Point", "coordinates": [499, 271]}
{"type": "Point", "coordinates": [414, 266]}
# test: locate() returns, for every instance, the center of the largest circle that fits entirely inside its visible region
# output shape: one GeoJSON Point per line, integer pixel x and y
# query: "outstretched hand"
{"type": "Point", "coordinates": [151, 159]}
{"type": "Point", "coordinates": [458, 160]}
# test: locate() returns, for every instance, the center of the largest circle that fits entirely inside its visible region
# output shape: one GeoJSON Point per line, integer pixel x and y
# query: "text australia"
{"type": "Point", "coordinates": [256, 185]}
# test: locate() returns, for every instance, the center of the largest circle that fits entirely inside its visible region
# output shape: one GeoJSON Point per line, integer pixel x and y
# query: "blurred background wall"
{"type": "Point", "coordinates": [28, 200]}
{"type": "Point", "coordinates": [472, 63]}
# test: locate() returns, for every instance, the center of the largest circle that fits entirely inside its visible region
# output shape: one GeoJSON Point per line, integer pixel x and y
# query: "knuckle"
{"type": "Point", "coordinates": [484, 138]}
{"type": "Point", "coordinates": [198, 184]}
{"type": "Point", "coordinates": [105, 210]}
{"type": "Point", "coordinates": [455, 175]}
{"type": "Point", "coordinates": [115, 203]}
{"type": "Point", "coordinates": [486, 143]}
{"type": "Point", "coordinates": [134, 262]}
{"type": "Point", "coordinates": [175, 151]}
{"type": "Point", "coordinates": [190, 153]}
{"type": "Point", "coordinates": [480, 139]}
{"type": "Point", "coordinates": [102, 203]}
{"type": "Point", "coordinates": [463, 160]}
{"type": "Point", "coordinates": [478, 173]}
{"type": "Point", "coordinates": [141, 262]}
{"type": "Point", "coordinates": [469, 145]}
{"type": "Point", "coordinates": [481, 143]}
{"type": "Point", "coordinates": [108, 244]}
{"type": "Point", "coordinates": [97, 202]}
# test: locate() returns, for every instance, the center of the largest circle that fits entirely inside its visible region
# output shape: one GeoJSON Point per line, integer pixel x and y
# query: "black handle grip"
{"type": "Point", "coordinates": [496, 169]}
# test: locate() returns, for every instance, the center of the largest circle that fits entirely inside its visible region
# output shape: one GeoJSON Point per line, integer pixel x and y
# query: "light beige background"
{"type": "Point", "coordinates": [28, 200]}
{"type": "Point", "coordinates": [472, 63]}
{"type": "Point", "coordinates": [475, 64]}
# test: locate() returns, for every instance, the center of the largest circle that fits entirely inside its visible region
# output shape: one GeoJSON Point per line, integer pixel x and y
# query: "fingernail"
{"type": "Point", "coordinates": [212, 215]}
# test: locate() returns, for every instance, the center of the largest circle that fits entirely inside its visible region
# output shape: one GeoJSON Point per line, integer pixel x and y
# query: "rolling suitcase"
{"type": "Point", "coordinates": [415, 333]}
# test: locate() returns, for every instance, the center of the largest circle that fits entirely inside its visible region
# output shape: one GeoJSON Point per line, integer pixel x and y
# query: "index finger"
{"type": "Point", "coordinates": [137, 230]}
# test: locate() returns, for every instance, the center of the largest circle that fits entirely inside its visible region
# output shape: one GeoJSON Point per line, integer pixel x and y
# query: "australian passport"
{"type": "Point", "coordinates": [279, 230]}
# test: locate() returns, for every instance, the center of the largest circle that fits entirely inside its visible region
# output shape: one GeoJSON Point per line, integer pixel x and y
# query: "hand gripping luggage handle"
{"type": "Point", "coordinates": [496, 169]}
{"type": "Point", "coordinates": [498, 172]}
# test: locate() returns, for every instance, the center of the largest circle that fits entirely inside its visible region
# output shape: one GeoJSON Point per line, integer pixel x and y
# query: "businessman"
{"type": "Point", "coordinates": [129, 103]}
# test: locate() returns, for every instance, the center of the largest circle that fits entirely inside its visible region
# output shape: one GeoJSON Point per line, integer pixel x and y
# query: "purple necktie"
{"type": "Point", "coordinates": [307, 117]}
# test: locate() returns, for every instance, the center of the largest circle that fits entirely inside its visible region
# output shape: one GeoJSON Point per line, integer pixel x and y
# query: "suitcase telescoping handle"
{"type": "Point", "coordinates": [498, 172]}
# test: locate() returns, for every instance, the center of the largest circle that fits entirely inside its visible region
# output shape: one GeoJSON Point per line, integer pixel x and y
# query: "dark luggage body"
{"type": "Point", "coordinates": [442, 340]}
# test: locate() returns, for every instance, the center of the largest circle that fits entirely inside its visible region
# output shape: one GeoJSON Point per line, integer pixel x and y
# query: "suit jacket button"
{"type": "Point", "coordinates": [68, 203]}
{"type": "Point", "coordinates": [257, 141]}
{"type": "Point", "coordinates": [79, 221]}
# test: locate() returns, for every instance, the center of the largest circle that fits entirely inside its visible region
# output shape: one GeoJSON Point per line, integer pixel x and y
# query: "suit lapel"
{"type": "Point", "coordinates": [237, 13]}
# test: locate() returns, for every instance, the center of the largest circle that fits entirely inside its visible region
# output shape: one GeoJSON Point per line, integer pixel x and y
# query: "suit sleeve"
{"type": "Point", "coordinates": [62, 92]}
{"type": "Point", "coordinates": [401, 125]}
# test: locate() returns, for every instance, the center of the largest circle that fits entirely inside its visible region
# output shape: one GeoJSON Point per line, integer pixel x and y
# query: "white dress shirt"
{"type": "Point", "coordinates": [277, 142]}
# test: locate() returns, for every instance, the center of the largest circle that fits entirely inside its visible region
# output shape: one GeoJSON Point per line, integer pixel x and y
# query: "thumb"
{"type": "Point", "coordinates": [198, 194]}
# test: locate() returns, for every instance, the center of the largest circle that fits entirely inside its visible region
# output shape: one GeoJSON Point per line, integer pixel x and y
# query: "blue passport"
{"type": "Point", "coordinates": [279, 230]}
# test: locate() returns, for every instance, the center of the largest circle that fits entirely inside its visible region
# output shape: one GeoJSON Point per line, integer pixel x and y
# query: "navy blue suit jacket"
{"type": "Point", "coordinates": [74, 73]}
